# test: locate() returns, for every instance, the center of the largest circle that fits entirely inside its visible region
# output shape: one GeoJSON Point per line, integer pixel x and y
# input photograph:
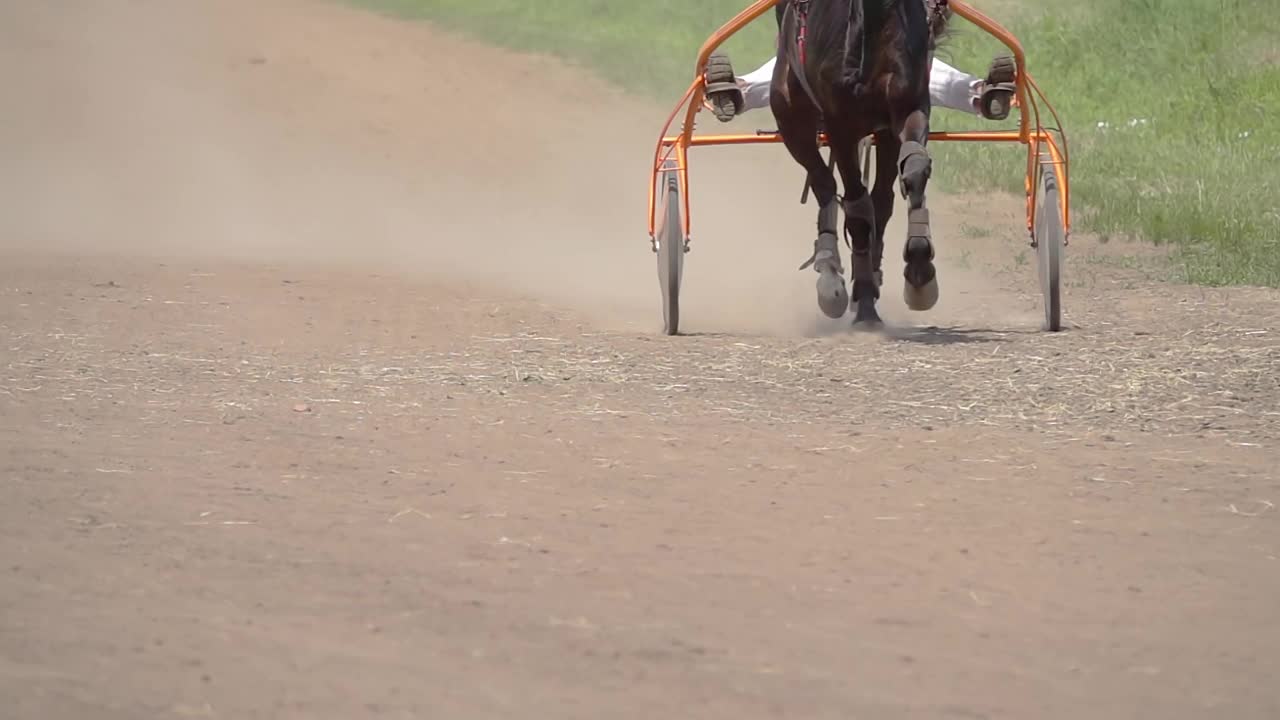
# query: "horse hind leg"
{"type": "Point", "coordinates": [861, 227]}
{"type": "Point", "coordinates": [887, 148]}
{"type": "Point", "coordinates": [860, 224]}
{"type": "Point", "coordinates": [920, 289]}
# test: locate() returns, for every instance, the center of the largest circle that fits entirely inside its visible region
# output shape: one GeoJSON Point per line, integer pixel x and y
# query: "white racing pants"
{"type": "Point", "coordinates": [948, 87]}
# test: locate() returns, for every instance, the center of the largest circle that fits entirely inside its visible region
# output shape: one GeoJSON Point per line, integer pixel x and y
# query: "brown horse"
{"type": "Point", "coordinates": [853, 69]}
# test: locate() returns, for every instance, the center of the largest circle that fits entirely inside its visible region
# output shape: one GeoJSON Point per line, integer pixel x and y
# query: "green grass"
{"type": "Point", "coordinates": [1171, 106]}
{"type": "Point", "coordinates": [645, 45]}
{"type": "Point", "coordinates": [1172, 109]}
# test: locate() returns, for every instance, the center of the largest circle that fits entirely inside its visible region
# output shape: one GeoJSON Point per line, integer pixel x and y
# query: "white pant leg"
{"type": "Point", "coordinates": [953, 89]}
{"type": "Point", "coordinates": [755, 86]}
{"type": "Point", "coordinates": [948, 87]}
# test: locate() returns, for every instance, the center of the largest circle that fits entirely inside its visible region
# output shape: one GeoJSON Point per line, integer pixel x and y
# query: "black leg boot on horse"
{"type": "Point", "coordinates": [860, 226]}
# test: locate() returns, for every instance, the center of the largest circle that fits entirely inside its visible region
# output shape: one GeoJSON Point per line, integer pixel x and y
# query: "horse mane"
{"type": "Point", "coordinates": [940, 14]}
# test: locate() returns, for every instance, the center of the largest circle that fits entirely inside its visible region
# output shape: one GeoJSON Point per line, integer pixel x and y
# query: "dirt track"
{"type": "Point", "coordinates": [327, 394]}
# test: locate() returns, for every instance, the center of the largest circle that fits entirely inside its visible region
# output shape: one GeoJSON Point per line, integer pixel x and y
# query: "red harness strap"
{"type": "Point", "coordinates": [802, 26]}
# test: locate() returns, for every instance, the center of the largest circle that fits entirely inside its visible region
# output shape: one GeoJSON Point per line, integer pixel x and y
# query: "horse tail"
{"type": "Point", "coordinates": [866, 20]}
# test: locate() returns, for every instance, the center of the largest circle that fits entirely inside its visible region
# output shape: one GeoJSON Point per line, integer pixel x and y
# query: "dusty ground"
{"type": "Point", "coordinates": [327, 394]}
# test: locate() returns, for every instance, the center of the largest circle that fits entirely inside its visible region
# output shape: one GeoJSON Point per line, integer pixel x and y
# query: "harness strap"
{"type": "Point", "coordinates": [802, 28]}
{"type": "Point", "coordinates": [798, 43]}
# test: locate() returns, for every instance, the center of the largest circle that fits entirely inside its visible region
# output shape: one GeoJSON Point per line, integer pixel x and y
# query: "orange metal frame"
{"type": "Point", "coordinates": [673, 150]}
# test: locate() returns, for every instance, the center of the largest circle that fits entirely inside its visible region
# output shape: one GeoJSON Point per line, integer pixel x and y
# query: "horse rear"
{"type": "Point", "coordinates": [852, 69]}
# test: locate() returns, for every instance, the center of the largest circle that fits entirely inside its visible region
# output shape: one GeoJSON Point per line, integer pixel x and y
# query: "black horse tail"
{"type": "Point", "coordinates": [866, 20]}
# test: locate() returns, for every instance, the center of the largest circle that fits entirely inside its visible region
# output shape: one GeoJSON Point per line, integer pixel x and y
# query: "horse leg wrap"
{"type": "Point", "coordinates": [919, 236]}
{"type": "Point", "coordinates": [914, 167]}
{"type": "Point", "coordinates": [833, 298]}
{"type": "Point", "coordinates": [864, 209]}
{"type": "Point", "coordinates": [868, 287]}
{"type": "Point", "coordinates": [866, 281]}
{"type": "Point", "coordinates": [827, 217]}
{"type": "Point", "coordinates": [920, 291]}
{"type": "Point", "coordinates": [826, 255]}
{"type": "Point", "coordinates": [826, 249]}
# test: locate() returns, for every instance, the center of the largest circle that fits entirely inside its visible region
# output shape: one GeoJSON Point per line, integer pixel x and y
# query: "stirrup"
{"type": "Point", "coordinates": [996, 100]}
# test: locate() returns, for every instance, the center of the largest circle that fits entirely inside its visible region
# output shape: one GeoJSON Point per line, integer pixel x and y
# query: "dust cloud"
{"type": "Point", "coordinates": [292, 132]}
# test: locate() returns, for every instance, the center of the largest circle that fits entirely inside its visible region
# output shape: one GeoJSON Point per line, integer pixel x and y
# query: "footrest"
{"type": "Point", "coordinates": [998, 88]}
{"type": "Point", "coordinates": [996, 101]}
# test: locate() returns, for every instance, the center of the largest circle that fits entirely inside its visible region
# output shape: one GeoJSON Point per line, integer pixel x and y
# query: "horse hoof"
{"type": "Point", "coordinates": [833, 299]}
{"type": "Point", "coordinates": [921, 298]}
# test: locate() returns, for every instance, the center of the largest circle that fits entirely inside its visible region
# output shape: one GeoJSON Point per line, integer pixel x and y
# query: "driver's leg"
{"type": "Point", "coordinates": [755, 86]}
{"type": "Point", "coordinates": [729, 95]}
{"type": "Point", "coordinates": [950, 88]}
{"type": "Point", "coordinates": [990, 97]}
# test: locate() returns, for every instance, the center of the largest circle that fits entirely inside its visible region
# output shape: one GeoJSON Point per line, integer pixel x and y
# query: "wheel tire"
{"type": "Point", "coordinates": [1049, 242]}
{"type": "Point", "coordinates": [671, 249]}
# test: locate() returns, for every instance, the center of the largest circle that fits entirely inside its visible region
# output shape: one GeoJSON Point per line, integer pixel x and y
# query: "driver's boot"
{"type": "Point", "coordinates": [723, 94]}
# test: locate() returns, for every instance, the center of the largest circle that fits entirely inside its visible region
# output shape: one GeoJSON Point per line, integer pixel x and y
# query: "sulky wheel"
{"type": "Point", "coordinates": [670, 250]}
{"type": "Point", "coordinates": [1049, 242]}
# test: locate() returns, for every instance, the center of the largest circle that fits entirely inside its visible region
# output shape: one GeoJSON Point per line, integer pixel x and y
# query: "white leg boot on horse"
{"type": "Point", "coordinates": [833, 298]}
